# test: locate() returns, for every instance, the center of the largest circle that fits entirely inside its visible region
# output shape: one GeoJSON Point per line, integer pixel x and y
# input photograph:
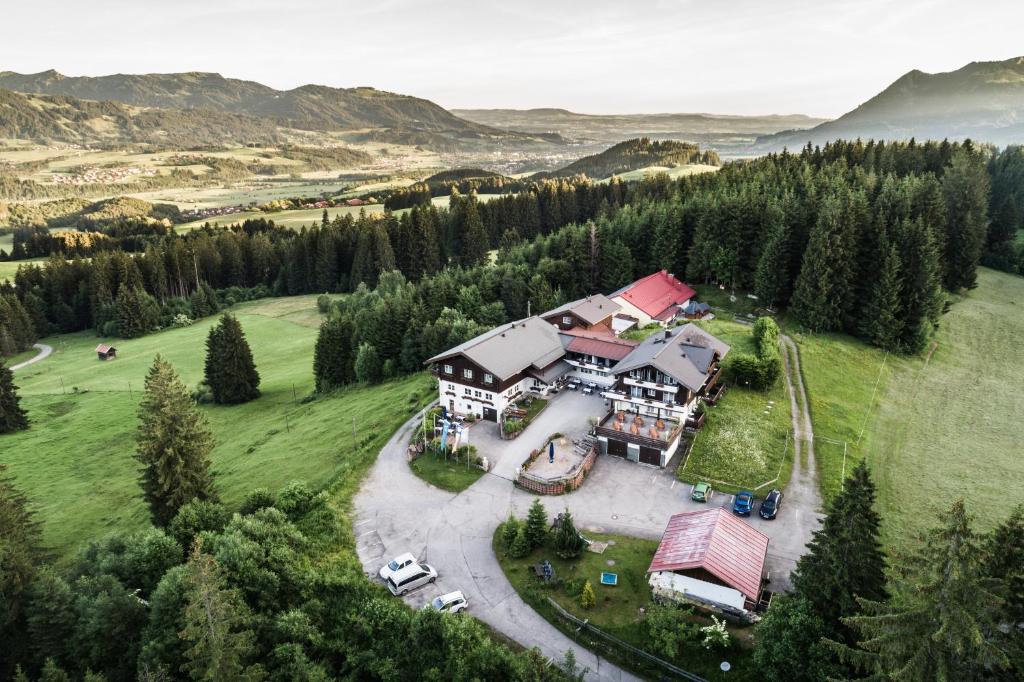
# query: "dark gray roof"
{"type": "Point", "coordinates": [511, 348]}
{"type": "Point", "coordinates": [549, 374]}
{"type": "Point", "coordinates": [591, 309]}
{"type": "Point", "coordinates": [684, 353]}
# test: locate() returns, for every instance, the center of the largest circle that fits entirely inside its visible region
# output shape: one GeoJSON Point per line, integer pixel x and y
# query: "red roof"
{"type": "Point", "coordinates": [713, 539]}
{"type": "Point", "coordinates": [655, 294]}
{"type": "Point", "coordinates": [103, 348]}
{"type": "Point", "coordinates": [600, 343]}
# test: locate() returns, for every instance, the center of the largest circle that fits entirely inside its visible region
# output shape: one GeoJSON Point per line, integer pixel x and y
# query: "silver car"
{"type": "Point", "coordinates": [413, 576]}
{"type": "Point", "coordinates": [453, 602]}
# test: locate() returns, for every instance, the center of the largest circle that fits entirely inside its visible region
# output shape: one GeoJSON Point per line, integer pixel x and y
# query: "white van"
{"type": "Point", "coordinates": [413, 576]}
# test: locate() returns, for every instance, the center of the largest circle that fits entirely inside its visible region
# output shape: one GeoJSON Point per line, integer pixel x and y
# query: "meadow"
{"type": "Point", "coordinates": [933, 427]}
{"type": "Point", "coordinates": [673, 172]}
{"type": "Point", "coordinates": [746, 439]}
{"type": "Point", "coordinates": [76, 462]}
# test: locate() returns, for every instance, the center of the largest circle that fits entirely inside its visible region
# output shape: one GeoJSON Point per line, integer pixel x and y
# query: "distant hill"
{"type": "Point", "coordinates": [983, 101]}
{"type": "Point", "coordinates": [612, 128]}
{"type": "Point", "coordinates": [633, 154]}
{"type": "Point", "coordinates": [68, 119]}
{"type": "Point", "coordinates": [309, 107]}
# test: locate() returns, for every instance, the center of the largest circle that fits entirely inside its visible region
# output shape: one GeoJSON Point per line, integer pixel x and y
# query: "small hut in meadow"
{"type": "Point", "coordinates": [105, 352]}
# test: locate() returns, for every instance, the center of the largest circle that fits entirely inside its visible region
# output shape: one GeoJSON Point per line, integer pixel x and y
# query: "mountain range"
{"type": "Point", "coordinates": [983, 101]}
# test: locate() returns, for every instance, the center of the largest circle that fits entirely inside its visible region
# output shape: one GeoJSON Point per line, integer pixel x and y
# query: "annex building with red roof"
{"type": "Point", "coordinates": [657, 297]}
{"type": "Point", "coordinates": [712, 558]}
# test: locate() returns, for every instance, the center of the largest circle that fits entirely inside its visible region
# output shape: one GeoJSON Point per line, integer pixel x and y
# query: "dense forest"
{"type": "Point", "coordinates": [865, 238]}
{"type": "Point", "coordinates": [629, 155]}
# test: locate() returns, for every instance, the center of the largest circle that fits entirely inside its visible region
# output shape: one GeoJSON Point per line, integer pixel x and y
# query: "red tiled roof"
{"type": "Point", "coordinates": [720, 543]}
{"type": "Point", "coordinates": [656, 293]}
{"type": "Point", "coordinates": [103, 348]}
{"type": "Point", "coordinates": [599, 347]}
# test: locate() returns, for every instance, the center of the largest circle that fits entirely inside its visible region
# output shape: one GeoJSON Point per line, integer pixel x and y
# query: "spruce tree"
{"type": "Point", "coordinates": [230, 370]}
{"type": "Point", "coordinates": [965, 187]}
{"type": "Point", "coordinates": [921, 287]}
{"type": "Point", "coordinates": [475, 243]}
{"type": "Point", "coordinates": [173, 445]}
{"type": "Point", "coordinates": [536, 526]}
{"type": "Point", "coordinates": [771, 279]}
{"type": "Point", "coordinates": [844, 560]}
{"type": "Point", "coordinates": [1004, 560]}
{"type": "Point", "coordinates": [568, 542]}
{"type": "Point", "coordinates": [882, 313]}
{"type": "Point", "coordinates": [822, 292]}
{"type": "Point", "coordinates": [12, 416]}
{"type": "Point", "coordinates": [217, 633]}
{"type": "Point", "coordinates": [20, 554]}
{"type": "Point", "coordinates": [941, 620]}
{"type": "Point", "coordinates": [333, 356]}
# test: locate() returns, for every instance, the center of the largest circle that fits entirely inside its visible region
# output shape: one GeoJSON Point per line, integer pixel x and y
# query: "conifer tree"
{"type": "Point", "coordinates": [220, 642]}
{"type": "Point", "coordinates": [333, 356]}
{"type": "Point", "coordinates": [941, 620]}
{"type": "Point", "coordinates": [536, 526]}
{"type": "Point", "coordinates": [20, 554]}
{"type": "Point", "coordinates": [844, 560]}
{"type": "Point", "coordinates": [173, 445]}
{"type": "Point", "coordinates": [771, 279]}
{"type": "Point", "coordinates": [475, 243]}
{"type": "Point", "coordinates": [882, 312]}
{"type": "Point", "coordinates": [820, 297]}
{"type": "Point", "coordinates": [568, 542]}
{"type": "Point", "coordinates": [230, 370]}
{"type": "Point", "coordinates": [921, 287]}
{"type": "Point", "coordinates": [965, 187]}
{"type": "Point", "coordinates": [1004, 560]}
{"type": "Point", "coordinates": [12, 416]}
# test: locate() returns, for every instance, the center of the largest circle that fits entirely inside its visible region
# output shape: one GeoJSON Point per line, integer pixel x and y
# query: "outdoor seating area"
{"type": "Point", "coordinates": [559, 466]}
{"type": "Point", "coordinates": [644, 426]}
{"type": "Point", "coordinates": [585, 387]}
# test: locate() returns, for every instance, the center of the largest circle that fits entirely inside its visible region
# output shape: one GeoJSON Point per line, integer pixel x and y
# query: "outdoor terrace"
{"type": "Point", "coordinates": [654, 432]}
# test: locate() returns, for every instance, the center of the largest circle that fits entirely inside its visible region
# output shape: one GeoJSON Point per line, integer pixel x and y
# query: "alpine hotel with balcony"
{"type": "Point", "coordinates": [651, 388]}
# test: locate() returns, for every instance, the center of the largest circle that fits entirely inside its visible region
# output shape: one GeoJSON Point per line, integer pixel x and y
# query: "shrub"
{"type": "Point", "coordinates": [259, 498]}
{"type": "Point", "coordinates": [715, 636]}
{"type": "Point", "coordinates": [587, 597]}
{"type": "Point", "coordinates": [194, 518]}
{"type": "Point", "coordinates": [509, 532]}
{"type": "Point", "coordinates": [670, 629]}
{"type": "Point", "coordinates": [181, 320]}
{"type": "Point", "coordinates": [521, 546]}
{"type": "Point", "coordinates": [323, 303]}
{"type": "Point", "coordinates": [574, 586]}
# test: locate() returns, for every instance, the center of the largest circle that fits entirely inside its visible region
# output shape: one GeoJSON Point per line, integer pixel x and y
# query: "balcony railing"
{"type": "Point", "coordinates": [666, 436]}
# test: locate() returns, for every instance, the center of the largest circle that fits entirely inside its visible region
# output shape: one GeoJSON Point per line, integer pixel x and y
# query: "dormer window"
{"type": "Point", "coordinates": [467, 374]}
{"type": "Point", "coordinates": [448, 369]}
{"type": "Point", "coordinates": [488, 379]}
{"type": "Point", "coordinates": [566, 319]}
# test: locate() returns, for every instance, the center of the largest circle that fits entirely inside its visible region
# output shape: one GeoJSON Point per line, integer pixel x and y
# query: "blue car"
{"type": "Point", "coordinates": [744, 503]}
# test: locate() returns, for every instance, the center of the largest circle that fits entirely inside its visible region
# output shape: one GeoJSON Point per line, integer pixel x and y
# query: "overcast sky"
{"type": "Point", "coordinates": [820, 57]}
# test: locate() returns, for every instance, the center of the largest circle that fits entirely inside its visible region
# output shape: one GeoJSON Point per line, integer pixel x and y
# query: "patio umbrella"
{"type": "Point", "coordinates": [551, 452]}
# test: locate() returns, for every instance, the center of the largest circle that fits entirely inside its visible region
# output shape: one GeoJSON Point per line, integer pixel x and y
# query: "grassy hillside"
{"type": "Point", "coordinates": [76, 464]}
{"type": "Point", "coordinates": [68, 119]}
{"type": "Point", "coordinates": [933, 428]}
{"type": "Point", "coordinates": [633, 154]}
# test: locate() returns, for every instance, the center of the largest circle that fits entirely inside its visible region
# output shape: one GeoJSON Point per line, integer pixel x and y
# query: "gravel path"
{"type": "Point", "coordinates": [44, 352]}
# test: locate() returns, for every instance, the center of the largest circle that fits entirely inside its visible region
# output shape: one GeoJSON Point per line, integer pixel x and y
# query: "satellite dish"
{"type": "Point", "coordinates": [726, 666]}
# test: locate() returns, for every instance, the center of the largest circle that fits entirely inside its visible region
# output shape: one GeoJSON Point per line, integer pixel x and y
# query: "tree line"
{"type": "Point", "coordinates": [950, 607]}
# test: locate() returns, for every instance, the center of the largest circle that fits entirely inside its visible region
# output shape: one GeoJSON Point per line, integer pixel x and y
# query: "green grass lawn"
{"type": "Point", "coordinates": [9, 268]}
{"type": "Point", "coordinates": [446, 474]}
{"type": "Point", "coordinates": [76, 464]}
{"type": "Point", "coordinates": [293, 219]}
{"type": "Point", "coordinates": [954, 427]}
{"type": "Point", "coordinates": [745, 441]}
{"type": "Point", "coordinates": [617, 610]}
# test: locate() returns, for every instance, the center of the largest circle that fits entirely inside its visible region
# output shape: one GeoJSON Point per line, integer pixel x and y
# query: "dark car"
{"type": "Point", "coordinates": [771, 504]}
{"type": "Point", "coordinates": [744, 503]}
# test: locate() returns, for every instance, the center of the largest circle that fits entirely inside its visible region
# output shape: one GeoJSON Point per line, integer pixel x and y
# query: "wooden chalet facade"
{"type": "Point", "coordinates": [656, 390]}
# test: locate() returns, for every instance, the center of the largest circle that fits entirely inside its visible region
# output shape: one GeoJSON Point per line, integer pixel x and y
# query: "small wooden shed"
{"type": "Point", "coordinates": [105, 352]}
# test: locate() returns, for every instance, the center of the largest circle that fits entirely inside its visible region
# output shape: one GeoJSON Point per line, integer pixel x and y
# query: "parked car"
{"type": "Point", "coordinates": [453, 602]}
{"type": "Point", "coordinates": [396, 564]}
{"type": "Point", "coordinates": [414, 576]}
{"type": "Point", "coordinates": [702, 492]}
{"type": "Point", "coordinates": [771, 504]}
{"type": "Point", "coordinates": [744, 503]}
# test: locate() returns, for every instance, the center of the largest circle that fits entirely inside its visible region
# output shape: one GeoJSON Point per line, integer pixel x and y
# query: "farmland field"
{"type": "Point", "coordinates": [75, 463]}
{"type": "Point", "coordinates": [676, 172]}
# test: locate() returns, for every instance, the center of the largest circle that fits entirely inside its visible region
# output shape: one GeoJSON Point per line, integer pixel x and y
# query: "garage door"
{"type": "Point", "coordinates": [616, 447]}
{"type": "Point", "coordinates": [490, 414]}
{"type": "Point", "coordinates": [650, 456]}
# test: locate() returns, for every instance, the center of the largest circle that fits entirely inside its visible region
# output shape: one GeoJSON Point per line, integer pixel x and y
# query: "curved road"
{"type": "Point", "coordinates": [397, 512]}
{"type": "Point", "coordinates": [44, 352]}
